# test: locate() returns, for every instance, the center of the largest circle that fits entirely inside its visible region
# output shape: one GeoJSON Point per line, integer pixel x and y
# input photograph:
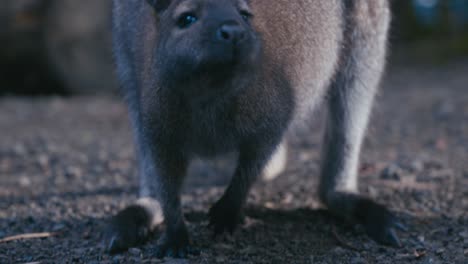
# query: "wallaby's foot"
{"type": "Point", "coordinates": [130, 227]}
{"type": "Point", "coordinates": [175, 244]}
{"type": "Point", "coordinates": [380, 224]}
{"type": "Point", "coordinates": [225, 216]}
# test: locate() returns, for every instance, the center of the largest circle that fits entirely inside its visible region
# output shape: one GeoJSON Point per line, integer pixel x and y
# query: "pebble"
{"type": "Point", "coordinates": [220, 259]}
{"type": "Point", "coordinates": [43, 161]}
{"type": "Point", "coordinates": [463, 234]}
{"type": "Point", "coordinates": [428, 261]}
{"type": "Point", "coordinates": [339, 251]}
{"type": "Point", "coordinates": [392, 172]}
{"type": "Point", "coordinates": [440, 251]}
{"type": "Point", "coordinates": [417, 166]}
{"type": "Point", "coordinates": [421, 239]}
{"type": "Point", "coordinates": [373, 192]}
{"type": "Point", "coordinates": [58, 227]}
{"type": "Point", "coordinates": [117, 258]}
{"type": "Point", "coordinates": [444, 110]}
{"type": "Point", "coordinates": [24, 181]}
{"type": "Point", "coordinates": [358, 260]}
{"type": "Point", "coordinates": [134, 251]}
{"type": "Point", "coordinates": [19, 149]}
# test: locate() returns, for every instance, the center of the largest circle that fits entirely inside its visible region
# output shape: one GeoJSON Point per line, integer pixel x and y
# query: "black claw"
{"type": "Point", "coordinates": [401, 227]}
{"type": "Point", "coordinates": [379, 222]}
{"type": "Point", "coordinates": [113, 247]}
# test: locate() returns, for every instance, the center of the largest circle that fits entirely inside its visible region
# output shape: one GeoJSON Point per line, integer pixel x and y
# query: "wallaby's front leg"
{"type": "Point", "coordinates": [226, 213]}
{"type": "Point", "coordinates": [160, 200]}
{"type": "Point", "coordinates": [162, 169]}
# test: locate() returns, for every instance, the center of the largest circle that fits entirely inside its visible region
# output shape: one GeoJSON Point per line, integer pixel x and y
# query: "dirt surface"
{"type": "Point", "coordinates": [66, 165]}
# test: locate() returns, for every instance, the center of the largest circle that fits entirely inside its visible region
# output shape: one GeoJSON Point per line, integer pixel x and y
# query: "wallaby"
{"type": "Point", "coordinates": [206, 77]}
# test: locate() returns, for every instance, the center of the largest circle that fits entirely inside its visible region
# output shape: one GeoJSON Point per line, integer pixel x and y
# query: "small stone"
{"type": "Point", "coordinates": [134, 251]}
{"type": "Point", "coordinates": [440, 251]}
{"type": "Point", "coordinates": [392, 172]}
{"type": "Point", "coordinates": [444, 110]}
{"type": "Point", "coordinates": [24, 181]}
{"type": "Point", "coordinates": [73, 172]}
{"type": "Point", "coordinates": [338, 251]}
{"type": "Point", "coordinates": [80, 251]}
{"type": "Point", "coordinates": [417, 166]}
{"type": "Point", "coordinates": [19, 149]}
{"type": "Point", "coordinates": [357, 260]}
{"type": "Point", "coordinates": [43, 161]}
{"type": "Point", "coordinates": [421, 239]}
{"type": "Point", "coordinates": [419, 253]}
{"type": "Point", "coordinates": [58, 227]}
{"type": "Point", "coordinates": [220, 259]}
{"type": "Point", "coordinates": [428, 261]}
{"type": "Point", "coordinates": [463, 234]}
{"type": "Point", "coordinates": [117, 259]}
{"type": "Point", "coordinates": [373, 192]}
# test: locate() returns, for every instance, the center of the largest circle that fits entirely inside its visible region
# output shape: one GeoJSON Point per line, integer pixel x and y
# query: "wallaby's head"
{"type": "Point", "coordinates": [205, 39]}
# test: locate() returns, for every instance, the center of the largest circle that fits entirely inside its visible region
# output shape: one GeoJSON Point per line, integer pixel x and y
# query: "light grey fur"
{"type": "Point", "coordinates": [330, 51]}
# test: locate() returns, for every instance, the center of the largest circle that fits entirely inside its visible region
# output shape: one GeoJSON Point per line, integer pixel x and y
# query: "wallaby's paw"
{"type": "Point", "coordinates": [380, 224]}
{"type": "Point", "coordinates": [224, 216]}
{"type": "Point", "coordinates": [128, 228]}
{"type": "Point", "coordinates": [175, 244]}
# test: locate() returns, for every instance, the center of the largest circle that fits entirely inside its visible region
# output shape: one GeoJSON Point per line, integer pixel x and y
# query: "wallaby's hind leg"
{"type": "Point", "coordinates": [350, 103]}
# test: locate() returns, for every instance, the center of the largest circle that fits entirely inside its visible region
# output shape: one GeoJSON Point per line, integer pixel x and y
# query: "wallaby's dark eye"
{"type": "Point", "coordinates": [186, 20]}
{"type": "Point", "coordinates": [246, 15]}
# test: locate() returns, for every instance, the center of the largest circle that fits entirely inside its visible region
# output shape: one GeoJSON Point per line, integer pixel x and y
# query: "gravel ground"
{"type": "Point", "coordinates": [67, 164]}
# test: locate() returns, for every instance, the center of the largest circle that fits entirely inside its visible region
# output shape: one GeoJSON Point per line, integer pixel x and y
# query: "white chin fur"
{"type": "Point", "coordinates": [277, 163]}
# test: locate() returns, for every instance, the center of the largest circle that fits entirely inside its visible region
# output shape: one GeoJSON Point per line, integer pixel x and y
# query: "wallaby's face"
{"type": "Point", "coordinates": [211, 40]}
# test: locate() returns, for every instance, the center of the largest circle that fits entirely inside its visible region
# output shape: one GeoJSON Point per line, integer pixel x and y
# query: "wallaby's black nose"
{"type": "Point", "coordinates": [231, 33]}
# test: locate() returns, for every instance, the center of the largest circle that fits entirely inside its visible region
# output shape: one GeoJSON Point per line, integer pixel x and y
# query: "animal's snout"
{"type": "Point", "coordinates": [230, 33]}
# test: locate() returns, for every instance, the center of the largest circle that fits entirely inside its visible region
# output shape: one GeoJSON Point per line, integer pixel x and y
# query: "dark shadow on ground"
{"type": "Point", "coordinates": [303, 234]}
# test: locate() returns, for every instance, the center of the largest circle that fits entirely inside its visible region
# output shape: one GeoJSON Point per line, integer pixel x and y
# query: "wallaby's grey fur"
{"type": "Point", "coordinates": [205, 77]}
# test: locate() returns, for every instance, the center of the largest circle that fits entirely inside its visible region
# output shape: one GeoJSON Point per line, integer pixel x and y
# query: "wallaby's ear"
{"type": "Point", "coordinates": [159, 5]}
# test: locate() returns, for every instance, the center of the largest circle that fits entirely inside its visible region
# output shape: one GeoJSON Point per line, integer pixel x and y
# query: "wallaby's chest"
{"type": "Point", "coordinates": [214, 130]}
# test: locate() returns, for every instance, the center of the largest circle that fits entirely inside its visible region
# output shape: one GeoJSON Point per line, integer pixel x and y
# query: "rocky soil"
{"type": "Point", "coordinates": [67, 164]}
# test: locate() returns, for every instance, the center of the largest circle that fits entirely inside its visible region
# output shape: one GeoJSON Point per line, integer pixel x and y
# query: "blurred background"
{"type": "Point", "coordinates": [63, 46]}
